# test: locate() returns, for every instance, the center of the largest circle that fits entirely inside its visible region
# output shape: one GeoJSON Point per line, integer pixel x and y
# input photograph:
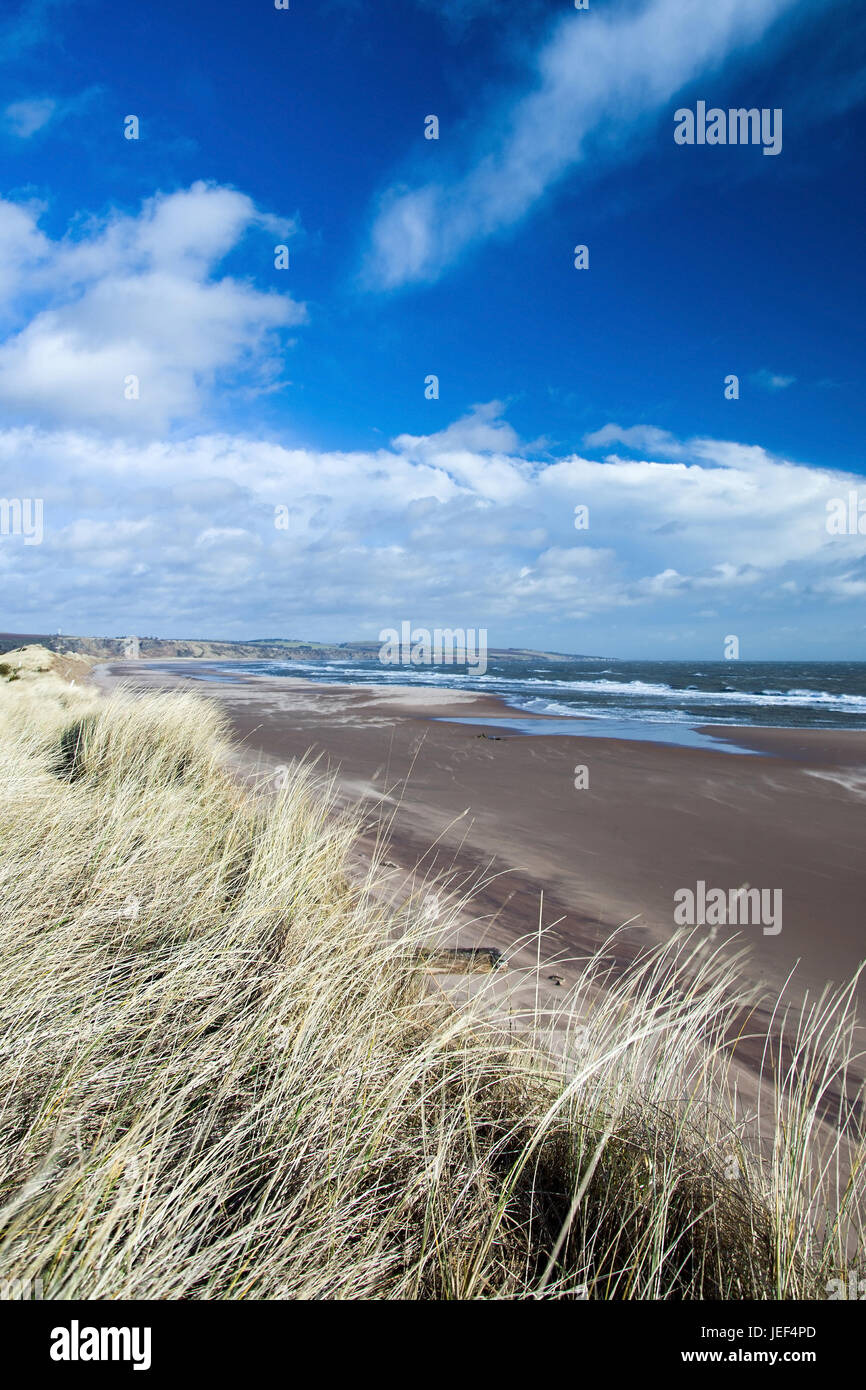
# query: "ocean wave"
{"type": "Point", "coordinates": [637, 689]}
{"type": "Point", "coordinates": [590, 696]}
{"type": "Point", "coordinates": [538, 705]}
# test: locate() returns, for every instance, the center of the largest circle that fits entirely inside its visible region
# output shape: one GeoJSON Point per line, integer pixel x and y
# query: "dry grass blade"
{"type": "Point", "coordinates": [225, 1073]}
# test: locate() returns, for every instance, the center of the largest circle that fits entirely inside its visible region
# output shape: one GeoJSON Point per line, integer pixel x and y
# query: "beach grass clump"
{"type": "Point", "coordinates": [226, 1071]}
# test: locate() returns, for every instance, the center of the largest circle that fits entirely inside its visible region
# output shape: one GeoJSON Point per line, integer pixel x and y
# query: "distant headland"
{"type": "Point", "coordinates": [256, 649]}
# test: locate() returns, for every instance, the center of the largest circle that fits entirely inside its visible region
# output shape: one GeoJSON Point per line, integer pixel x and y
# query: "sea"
{"type": "Point", "coordinates": [666, 701]}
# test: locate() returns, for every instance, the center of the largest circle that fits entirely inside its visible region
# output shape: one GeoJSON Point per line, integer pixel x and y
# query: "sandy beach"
{"type": "Point", "coordinates": [236, 956]}
{"type": "Point", "coordinates": [474, 804]}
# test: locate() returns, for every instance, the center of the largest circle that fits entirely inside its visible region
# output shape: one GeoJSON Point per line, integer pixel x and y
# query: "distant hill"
{"type": "Point", "coordinates": [257, 649]}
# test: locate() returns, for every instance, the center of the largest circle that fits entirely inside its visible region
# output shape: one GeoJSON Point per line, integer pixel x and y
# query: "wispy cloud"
{"type": "Point", "coordinates": [24, 118]}
{"type": "Point", "coordinates": [30, 24]}
{"type": "Point", "coordinates": [640, 437]}
{"type": "Point", "coordinates": [772, 381]}
{"type": "Point", "coordinates": [596, 74]}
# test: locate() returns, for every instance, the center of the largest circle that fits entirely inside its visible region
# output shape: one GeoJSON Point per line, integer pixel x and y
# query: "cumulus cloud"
{"type": "Point", "coordinates": [463, 526]}
{"type": "Point", "coordinates": [136, 297]}
{"type": "Point", "coordinates": [596, 73]}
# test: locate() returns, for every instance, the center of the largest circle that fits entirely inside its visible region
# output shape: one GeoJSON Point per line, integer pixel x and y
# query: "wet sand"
{"type": "Point", "coordinates": [503, 813]}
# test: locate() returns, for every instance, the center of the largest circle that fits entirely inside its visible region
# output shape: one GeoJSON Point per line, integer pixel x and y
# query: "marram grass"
{"type": "Point", "coordinates": [224, 1072]}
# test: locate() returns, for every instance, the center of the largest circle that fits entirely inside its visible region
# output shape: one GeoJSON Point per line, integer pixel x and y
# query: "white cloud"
{"type": "Point", "coordinates": [24, 118]}
{"type": "Point", "coordinates": [772, 381]}
{"type": "Point", "coordinates": [645, 437]}
{"type": "Point", "coordinates": [22, 246]}
{"type": "Point", "coordinates": [598, 72]}
{"type": "Point", "coordinates": [461, 527]}
{"type": "Point", "coordinates": [137, 296]}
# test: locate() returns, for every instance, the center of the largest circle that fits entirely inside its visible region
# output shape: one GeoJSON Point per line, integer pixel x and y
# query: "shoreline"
{"type": "Point", "coordinates": [238, 969]}
{"type": "Point", "coordinates": [550, 875]}
{"type": "Point", "coordinates": [653, 819]}
{"type": "Point", "coordinates": [494, 706]}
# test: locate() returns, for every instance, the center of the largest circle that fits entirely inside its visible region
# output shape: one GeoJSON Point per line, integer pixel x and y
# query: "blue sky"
{"type": "Point", "coordinates": [305, 388]}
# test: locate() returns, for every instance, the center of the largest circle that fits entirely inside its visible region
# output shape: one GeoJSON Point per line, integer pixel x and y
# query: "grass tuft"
{"type": "Point", "coordinates": [224, 1072]}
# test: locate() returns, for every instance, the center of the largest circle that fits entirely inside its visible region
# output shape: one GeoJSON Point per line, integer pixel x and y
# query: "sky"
{"type": "Point", "coordinates": [228, 447]}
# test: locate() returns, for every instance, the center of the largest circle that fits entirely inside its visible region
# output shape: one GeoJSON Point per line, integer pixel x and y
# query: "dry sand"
{"type": "Point", "coordinates": [654, 818]}
{"type": "Point", "coordinates": [501, 816]}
